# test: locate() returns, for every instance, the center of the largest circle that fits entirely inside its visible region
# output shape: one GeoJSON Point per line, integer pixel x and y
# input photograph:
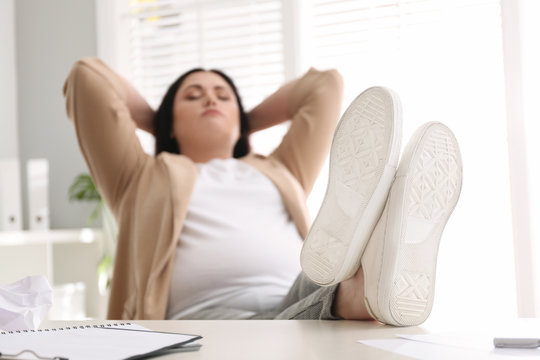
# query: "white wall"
{"type": "Point", "coordinates": [50, 36]}
{"type": "Point", "coordinates": [530, 57]}
{"type": "Point", "coordinates": [8, 89]}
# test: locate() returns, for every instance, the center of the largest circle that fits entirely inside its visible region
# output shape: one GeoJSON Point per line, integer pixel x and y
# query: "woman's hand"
{"type": "Point", "coordinates": [140, 111]}
{"type": "Point", "coordinates": [274, 110]}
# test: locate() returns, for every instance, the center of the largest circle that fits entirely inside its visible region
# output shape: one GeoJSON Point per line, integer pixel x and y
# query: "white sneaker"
{"type": "Point", "coordinates": [400, 259]}
{"type": "Point", "coordinates": [363, 161]}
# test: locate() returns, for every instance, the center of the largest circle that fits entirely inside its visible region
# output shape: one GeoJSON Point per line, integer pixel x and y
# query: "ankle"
{"type": "Point", "coordinates": [349, 300]}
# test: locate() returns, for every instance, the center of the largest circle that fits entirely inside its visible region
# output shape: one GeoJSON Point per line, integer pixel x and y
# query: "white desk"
{"type": "Point", "coordinates": [275, 339]}
{"type": "Point", "coordinates": [311, 339]}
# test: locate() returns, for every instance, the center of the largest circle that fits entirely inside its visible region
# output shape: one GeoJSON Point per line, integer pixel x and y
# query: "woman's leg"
{"type": "Point", "coordinates": [305, 301]}
{"type": "Point", "coordinates": [309, 301]}
{"type": "Point", "coordinates": [395, 284]}
{"type": "Point", "coordinates": [349, 301]}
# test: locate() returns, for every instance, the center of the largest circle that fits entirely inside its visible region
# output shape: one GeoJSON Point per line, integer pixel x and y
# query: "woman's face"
{"type": "Point", "coordinates": [205, 113]}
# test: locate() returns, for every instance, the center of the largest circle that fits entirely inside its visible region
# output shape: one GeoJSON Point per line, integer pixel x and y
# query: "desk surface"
{"type": "Point", "coordinates": [301, 339]}
{"type": "Point", "coordinates": [275, 339]}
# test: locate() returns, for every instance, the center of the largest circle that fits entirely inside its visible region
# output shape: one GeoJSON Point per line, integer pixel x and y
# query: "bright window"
{"type": "Point", "coordinates": [444, 58]}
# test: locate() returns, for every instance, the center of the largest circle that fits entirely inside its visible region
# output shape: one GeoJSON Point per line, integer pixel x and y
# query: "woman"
{"type": "Point", "coordinates": [188, 249]}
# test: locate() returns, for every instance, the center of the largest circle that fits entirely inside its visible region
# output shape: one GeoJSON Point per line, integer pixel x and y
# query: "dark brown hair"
{"type": "Point", "coordinates": [163, 120]}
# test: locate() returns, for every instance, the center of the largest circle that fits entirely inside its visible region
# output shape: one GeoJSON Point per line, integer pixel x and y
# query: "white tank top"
{"type": "Point", "coordinates": [238, 248]}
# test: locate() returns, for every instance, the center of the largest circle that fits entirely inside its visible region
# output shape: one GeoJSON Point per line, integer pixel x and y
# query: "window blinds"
{"type": "Point", "coordinates": [397, 35]}
{"type": "Point", "coordinates": [244, 38]}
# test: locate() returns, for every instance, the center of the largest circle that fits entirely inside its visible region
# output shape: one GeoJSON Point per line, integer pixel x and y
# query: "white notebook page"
{"type": "Point", "coordinates": [118, 341]}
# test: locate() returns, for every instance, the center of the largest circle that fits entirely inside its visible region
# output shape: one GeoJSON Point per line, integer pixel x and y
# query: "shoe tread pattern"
{"type": "Point", "coordinates": [436, 178]}
{"type": "Point", "coordinates": [412, 293]}
{"type": "Point", "coordinates": [432, 196]}
{"type": "Point", "coordinates": [357, 160]}
{"type": "Point", "coordinates": [360, 149]}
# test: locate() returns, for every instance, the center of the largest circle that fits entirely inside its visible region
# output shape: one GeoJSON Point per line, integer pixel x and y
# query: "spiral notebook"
{"type": "Point", "coordinates": [104, 342]}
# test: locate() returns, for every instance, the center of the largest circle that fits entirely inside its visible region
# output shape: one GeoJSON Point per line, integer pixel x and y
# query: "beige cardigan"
{"type": "Point", "coordinates": [149, 196]}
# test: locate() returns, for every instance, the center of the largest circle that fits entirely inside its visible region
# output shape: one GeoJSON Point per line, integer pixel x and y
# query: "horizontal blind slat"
{"type": "Point", "coordinates": [242, 37]}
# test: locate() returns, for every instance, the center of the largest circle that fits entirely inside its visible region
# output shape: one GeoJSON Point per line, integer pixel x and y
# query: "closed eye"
{"type": "Point", "coordinates": [222, 93]}
{"type": "Point", "coordinates": [194, 92]}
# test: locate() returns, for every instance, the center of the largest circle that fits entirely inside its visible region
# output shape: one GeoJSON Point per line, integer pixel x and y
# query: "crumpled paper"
{"type": "Point", "coordinates": [24, 303]}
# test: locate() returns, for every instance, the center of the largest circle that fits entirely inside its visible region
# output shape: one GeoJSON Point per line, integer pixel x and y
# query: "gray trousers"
{"type": "Point", "coordinates": [305, 301]}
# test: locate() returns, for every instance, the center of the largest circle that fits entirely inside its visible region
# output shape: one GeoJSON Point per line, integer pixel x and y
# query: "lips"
{"type": "Point", "coordinates": [211, 112]}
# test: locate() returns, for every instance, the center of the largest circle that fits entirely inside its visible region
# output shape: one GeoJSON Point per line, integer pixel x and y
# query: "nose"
{"type": "Point", "coordinates": [210, 99]}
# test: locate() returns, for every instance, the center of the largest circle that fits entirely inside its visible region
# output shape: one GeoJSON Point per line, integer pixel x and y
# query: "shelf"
{"type": "Point", "coordinates": [60, 236]}
{"type": "Point", "coordinates": [63, 256]}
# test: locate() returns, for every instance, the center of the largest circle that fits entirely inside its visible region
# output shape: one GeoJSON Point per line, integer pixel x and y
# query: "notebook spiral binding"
{"type": "Point", "coordinates": [64, 328]}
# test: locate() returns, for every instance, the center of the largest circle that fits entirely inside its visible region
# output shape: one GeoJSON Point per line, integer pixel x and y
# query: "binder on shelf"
{"type": "Point", "coordinates": [108, 341]}
{"type": "Point", "coordinates": [37, 173]}
{"type": "Point", "coordinates": [10, 195]}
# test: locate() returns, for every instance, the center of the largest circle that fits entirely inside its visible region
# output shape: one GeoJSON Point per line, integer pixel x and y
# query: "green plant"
{"type": "Point", "coordinates": [84, 189]}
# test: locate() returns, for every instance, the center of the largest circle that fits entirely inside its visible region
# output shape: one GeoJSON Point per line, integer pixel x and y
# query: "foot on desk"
{"type": "Point", "coordinates": [363, 162]}
{"type": "Point", "coordinates": [395, 284]}
{"type": "Point", "coordinates": [400, 258]}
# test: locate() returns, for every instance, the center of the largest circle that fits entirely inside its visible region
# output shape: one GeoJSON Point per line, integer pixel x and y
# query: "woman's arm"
{"type": "Point", "coordinates": [274, 110]}
{"type": "Point", "coordinates": [313, 104]}
{"type": "Point", "coordinates": [97, 101]}
{"type": "Point", "coordinates": [140, 111]}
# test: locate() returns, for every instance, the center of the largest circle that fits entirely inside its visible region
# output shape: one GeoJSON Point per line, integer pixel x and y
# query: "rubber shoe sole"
{"type": "Point", "coordinates": [363, 161]}
{"type": "Point", "coordinates": [399, 262]}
